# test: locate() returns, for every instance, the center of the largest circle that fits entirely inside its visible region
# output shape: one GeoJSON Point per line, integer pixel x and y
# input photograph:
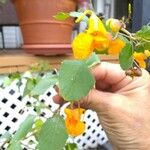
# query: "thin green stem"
{"type": "Point", "coordinates": [128, 33]}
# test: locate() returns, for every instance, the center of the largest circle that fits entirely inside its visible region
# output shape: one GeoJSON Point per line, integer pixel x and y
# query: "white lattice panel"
{"type": "Point", "coordinates": [13, 111]}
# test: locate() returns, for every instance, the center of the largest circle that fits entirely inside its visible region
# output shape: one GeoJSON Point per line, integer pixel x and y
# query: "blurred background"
{"type": "Point", "coordinates": [134, 10]}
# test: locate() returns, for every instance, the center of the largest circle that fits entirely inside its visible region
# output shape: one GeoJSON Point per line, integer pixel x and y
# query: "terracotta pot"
{"type": "Point", "coordinates": [41, 32]}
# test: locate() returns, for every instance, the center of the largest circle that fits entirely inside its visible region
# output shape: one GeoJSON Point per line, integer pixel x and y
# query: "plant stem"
{"type": "Point", "coordinates": [128, 33]}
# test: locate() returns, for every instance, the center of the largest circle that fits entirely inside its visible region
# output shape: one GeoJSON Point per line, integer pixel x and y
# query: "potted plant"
{"type": "Point", "coordinates": [42, 34]}
{"type": "Point", "coordinates": [75, 80]}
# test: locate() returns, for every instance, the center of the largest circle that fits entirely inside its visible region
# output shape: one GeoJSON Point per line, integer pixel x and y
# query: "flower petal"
{"type": "Point", "coordinates": [73, 121]}
{"type": "Point", "coordinates": [140, 58]}
{"type": "Point", "coordinates": [115, 46]}
{"type": "Point", "coordinates": [82, 45]}
{"type": "Point", "coordinates": [95, 25]}
{"type": "Point", "coordinates": [101, 41]}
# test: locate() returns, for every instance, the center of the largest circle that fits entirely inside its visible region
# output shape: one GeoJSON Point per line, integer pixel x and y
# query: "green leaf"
{"type": "Point", "coordinates": [44, 84]}
{"type": "Point", "coordinates": [71, 146]}
{"type": "Point", "coordinates": [11, 77]}
{"type": "Point", "coordinates": [75, 80]}
{"type": "Point", "coordinates": [61, 16]}
{"type": "Point", "coordinates": [53, 134]}
{"type": "Point", "coordinates": [15, 146]}
{"type": "Point", "coordinates": [24, 129]}
{"type": "Point", "coordinates": [30, 84]}
{"type": "Point", "coordinates": [14, 76]}
{"type": "Point", "coordinates": [144, 32]}
{"type": "Point", "coordinates": [142, 46]}
{"type": "Point", "coordinates": [92, 60]}
{"type": "Point", "coordinates": [41, 66]}
{"type": "Point", "coordinates": [126, 56]}
{"type": "Point", "coordinates": [77, 14]}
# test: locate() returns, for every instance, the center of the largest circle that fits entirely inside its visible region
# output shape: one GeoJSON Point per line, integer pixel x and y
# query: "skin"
{"type": "Point", "coordinates": [123, 106]}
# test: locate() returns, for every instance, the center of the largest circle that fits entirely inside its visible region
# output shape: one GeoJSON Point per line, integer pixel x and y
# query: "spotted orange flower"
{"type": "Point", "coordinates": [140, 58]}
{"type": "Point", "coordinates": [73, 121]}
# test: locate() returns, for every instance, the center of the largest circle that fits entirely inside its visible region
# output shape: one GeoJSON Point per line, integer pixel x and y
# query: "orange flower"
{"type": "Point", "coordinates": [140, 58]}
{"type": "Point", "coordinates": [115, 46]}
{"type": "Point", "coordinates": [101, 41]}
{"type": "Point", "coordinates": [73, 121]}
{"type": "Point", "coordinates": [82, 45]}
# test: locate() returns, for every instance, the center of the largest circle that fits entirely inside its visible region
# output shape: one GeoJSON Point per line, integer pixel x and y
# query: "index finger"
{"type": "Point", "coordinates": [108, 73]}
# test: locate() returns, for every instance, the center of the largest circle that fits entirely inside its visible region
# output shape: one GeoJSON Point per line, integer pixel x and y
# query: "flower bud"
{"type": "Point", "coordinates": [114, 24]}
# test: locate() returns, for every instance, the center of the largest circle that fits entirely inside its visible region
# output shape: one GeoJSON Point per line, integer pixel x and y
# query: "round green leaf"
{"type": "Point", "coordinates": [53, 134]}
{"type": "Point", "coordinates": [75, 80]}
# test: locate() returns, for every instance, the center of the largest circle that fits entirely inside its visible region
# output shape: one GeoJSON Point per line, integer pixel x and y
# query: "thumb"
{"type": "Point", "coordinates": [98, 100]}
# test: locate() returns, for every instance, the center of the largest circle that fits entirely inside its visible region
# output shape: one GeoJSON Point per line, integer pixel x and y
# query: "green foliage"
{"type": "Point", "coordinates": [75, 80]}
{"type": "Point", "coordinates": [77, 14]}
{"type": "Point", "coordinates": [38, 125]}
{"type": "Point", "coordinates": [30, 84]}
{"type": "Point", "coordinates": [140, 47]}
{"type": "Point", "coordinates": [61, 16]}
{"type": "Point", "coordinates": [144, 36]}
{"type": "Point", "coordinates": [36, 86]}
{"type": "Point", "coordinates": [53, 134]}
{"type": "Point", "coordinates": [42, 66]}
{"type": "Point", "coordinates": [144, 33]}
{"type": "Point", "coordinates": [92, 60]}
{"type": "Point", "coordinates": [44, 84]}
{"type": "Point", "coordinates": [15, 146]}
{"type": "Point", "coordinates": [11, 77]}
{"type": "Point", "coordinates": [25, 128]}
{"type": "Point", "coordinates": [126, 56]}
{"type": "Point", "coordinates": [71, 146]}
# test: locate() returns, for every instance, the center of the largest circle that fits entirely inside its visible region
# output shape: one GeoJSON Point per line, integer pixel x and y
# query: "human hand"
{"type": "Point", "coordinates": [123, 106]}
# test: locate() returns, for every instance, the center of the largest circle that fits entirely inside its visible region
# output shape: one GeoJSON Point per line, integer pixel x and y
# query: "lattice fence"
{"type": "Point", "coordinates": [14, 109]}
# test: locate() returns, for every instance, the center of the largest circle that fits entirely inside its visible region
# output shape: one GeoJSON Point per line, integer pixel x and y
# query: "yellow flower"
{"type": "Point", "coordinates": [95, 37]}
{"type": "Point", "coordinates": [115, 46]}
{"type": "Point", "coordinates": [73, 121]}
{"type": "Point", "coordinates": [140, 58]}
{"type": "Point", "coordinates": [95, 25]}
{"type": "Point", "coordinates": [82, 45]}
